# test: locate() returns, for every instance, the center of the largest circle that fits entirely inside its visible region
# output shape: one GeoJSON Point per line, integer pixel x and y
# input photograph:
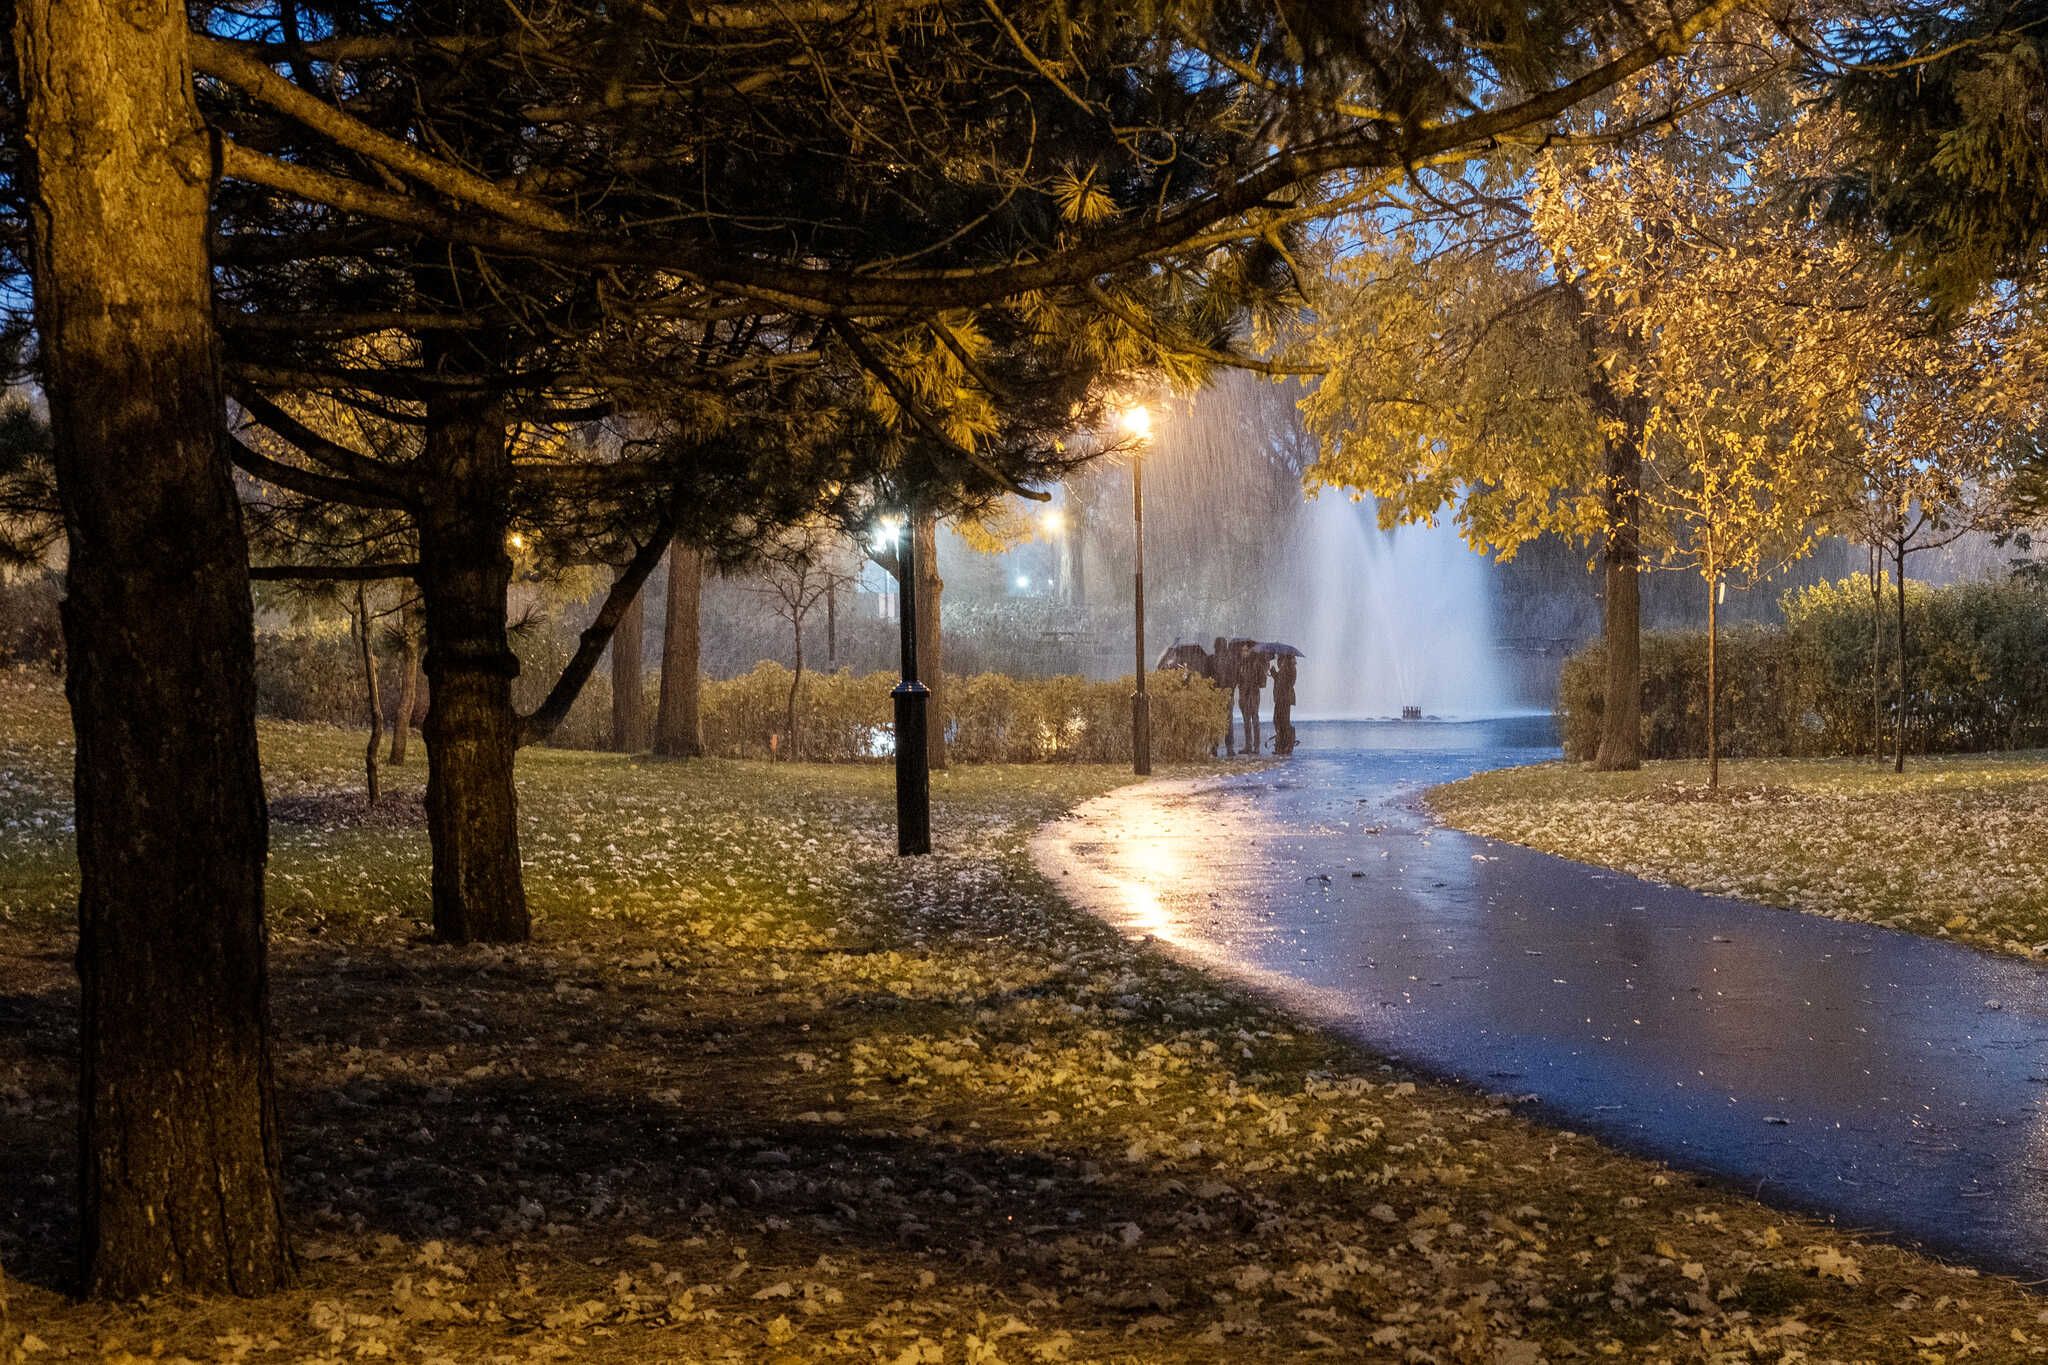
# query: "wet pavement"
{"type": "Point", "coordinates": [1896, 1084]}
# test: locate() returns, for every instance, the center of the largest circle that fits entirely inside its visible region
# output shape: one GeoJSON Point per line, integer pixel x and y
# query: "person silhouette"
{"type": "Point", "coordinates": [1283, 704]}
{"type": "Point", "coordinates": [1223, 672]}
{"type": "Point", "coordinates": [1251, 680]}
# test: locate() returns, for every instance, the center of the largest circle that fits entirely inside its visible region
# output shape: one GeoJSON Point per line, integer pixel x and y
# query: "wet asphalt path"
{"type": "Point", "coordinates": [1896, 1084]}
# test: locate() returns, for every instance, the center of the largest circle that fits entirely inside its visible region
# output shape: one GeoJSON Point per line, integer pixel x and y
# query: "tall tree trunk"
{"type": "Point", "coordinates": [929, 662]}
{"type": "Point", "coordinates": [374, 702]}
{"type": "Point", "coordinates": [408, 694]}
{"type": "Point", "coordinates": [471, 731]}
{"type": "Point", "coordinates": [1713, 681]}
{"type": "Point", "coordinates": [178, 1181]}
{"type": "Point", "coordinates": [1077, 531]}
{"type": "Point", "coordinates": [1621, 729]}
{"type": "Point", "coordinates": [629, 693]}
{"type": "Point", "coordinates": [678, 728]}
{"type": "Point", "coordinates": [1876, 651]}
{"type": "Point", "coordinates": [1899, 719]}
{"type": "Point", "coordinates": [831, 622]}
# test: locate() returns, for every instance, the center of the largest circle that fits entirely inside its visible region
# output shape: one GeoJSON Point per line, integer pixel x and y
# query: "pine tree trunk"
{"type": "Point", "coordinates": [471, 731]}
{"type": "Point", "coordinates": [929, 661]}
{"type": "Point", "coordinates": [678, 729]}
{"type": "Point", "coordinates": [374, 703]}
{"type": "Point", "coordinates": [179, 1184]}
{"type": "Point", "coordinates": [408, 697]}
{"type": "Point", "coordinates": [629, 693]}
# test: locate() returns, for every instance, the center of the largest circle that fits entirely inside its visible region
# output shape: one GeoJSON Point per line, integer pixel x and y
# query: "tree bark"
{"type": "Point", "coordinates": [1626, 417]}
{"type": "Point", "coordinates": [472, 732]}
{"type": "Point", "coordinates": [178, 1135]}
{"type": "Point", "coordinates": [831, 623]}
{"type": "Point", "coordinates": [629, 712]}
{"type": "Point", "coordinates": [678, 728]}
{"type": "Point", "coordinates": [1713, 682]}
{"type": "Point", "coordinates": [929, 662]}
{"type": "Point", "coordinates": [1877, 651]}
{"type": "Point", "coordinates": [1621, 731]}
{"type": "Point", "coordinates": [796, 683]}
{"type": "Point", "coordinates": [1899, 719]}
{"type": "Point", "coordinates": [408, 696]}
{"type": "Point", "coordinates": [374, 702]}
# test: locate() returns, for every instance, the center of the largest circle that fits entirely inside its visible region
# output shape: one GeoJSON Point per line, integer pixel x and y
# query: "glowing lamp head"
{"type": "Point", "coordinates": [1023, 580]}
{"type": "Point", "coordinates": [1054, 521]}
{"type": "Point", "coordinates": [1136, 421]}
{"type": "Point", "coordinates": [516, 541]}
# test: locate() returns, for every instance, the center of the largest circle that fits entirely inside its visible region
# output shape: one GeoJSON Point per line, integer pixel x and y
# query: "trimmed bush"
{"type": "Point", "coordinates": [846, 717]}
{"type": "Point", "coordinates": [1978, 671]}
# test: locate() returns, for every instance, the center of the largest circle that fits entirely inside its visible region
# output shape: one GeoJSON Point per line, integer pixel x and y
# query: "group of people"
{"type": "Point", "coordinates": [1245, 666]}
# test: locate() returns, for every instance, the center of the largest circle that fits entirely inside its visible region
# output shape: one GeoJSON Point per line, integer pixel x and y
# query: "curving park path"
{"type": "Point", "coordinates": [1897, 1084]}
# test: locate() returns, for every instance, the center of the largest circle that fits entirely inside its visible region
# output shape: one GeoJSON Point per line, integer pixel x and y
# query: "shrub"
{"type": "Point", "coordinates": [31, 630]}
{"type": "Point", "coordinates": [1978, 669]}
{"type": "Point", "coordinates": [991, 718]}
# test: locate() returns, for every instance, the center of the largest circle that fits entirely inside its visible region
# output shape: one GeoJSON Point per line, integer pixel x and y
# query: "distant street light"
{"type": "Point", "coordinates": [1137, 424]}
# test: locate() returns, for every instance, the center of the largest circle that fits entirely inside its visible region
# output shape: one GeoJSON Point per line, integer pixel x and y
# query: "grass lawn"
{"type": "Point", "coordinates": [763, 1092]}
{"type": "Point", "coordinates": [1957, 847]}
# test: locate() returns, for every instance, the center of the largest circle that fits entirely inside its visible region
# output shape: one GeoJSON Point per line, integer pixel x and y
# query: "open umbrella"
{"type": "Point", "coordinates": [1191, 657]}
{"type": "Point", "coordinates": [1276, 649]}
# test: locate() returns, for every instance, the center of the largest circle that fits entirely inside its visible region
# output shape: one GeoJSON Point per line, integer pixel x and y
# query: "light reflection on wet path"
{"type": "Point", "coordinates": [1894, 1082]}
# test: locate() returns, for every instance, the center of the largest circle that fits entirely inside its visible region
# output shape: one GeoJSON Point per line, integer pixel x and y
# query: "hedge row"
{"type": "Point", "coordinates": [1978, 671]}
{"type": "Point", "coordinates": [991, 718]}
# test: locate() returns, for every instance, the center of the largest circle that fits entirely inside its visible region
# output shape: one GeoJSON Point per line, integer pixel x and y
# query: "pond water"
{"type": "Point", "coordinates": [1896, 1084]}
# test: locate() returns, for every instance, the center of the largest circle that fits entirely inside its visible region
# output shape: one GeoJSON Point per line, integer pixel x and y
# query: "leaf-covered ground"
{"type": "Point", "coordinates": [1957, 846]}
{"type": "Point", "coordinates": [763, 1092]}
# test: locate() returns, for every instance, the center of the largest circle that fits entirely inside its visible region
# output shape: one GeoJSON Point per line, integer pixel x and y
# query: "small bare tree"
{"type": "Point", "coordinates": [800, 568]}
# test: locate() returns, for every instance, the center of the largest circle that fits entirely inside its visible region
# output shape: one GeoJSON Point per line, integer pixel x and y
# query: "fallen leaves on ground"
{"type": "Point", "coordinates": [1957, 846]}
{"type": "Point", "coordinates": [763, 1092]}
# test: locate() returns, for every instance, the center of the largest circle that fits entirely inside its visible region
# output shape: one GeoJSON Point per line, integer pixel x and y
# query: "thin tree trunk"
{"type": "Point", "coordinates": [178, 1139]}
{"type": "Point", "coordinates": [629, 693]}
{"type": "Point", "coordinates": [831, 623]}
{"type": "Point", "coordinates": [1713, 680]}
{"type": "Point", "coordinates": [929, 660]}
{"type": "Point", "coordinates": [408, 695]}
{"type": "Point", "coordinates": [370, 695]}
{"type": "Point", "coordinates": [796, 682]}
{"type": "Point", "coordinates": [1877, 651]}
{"type": "Point", "coordinates": [678, 728]}
{"type": "Point", "coordinates": [472, 732]}
{"type": "Point", "coordinates": [1899, 721]}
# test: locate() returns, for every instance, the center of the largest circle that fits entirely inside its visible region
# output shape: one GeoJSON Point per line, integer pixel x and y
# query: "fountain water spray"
{"type": "Point", "coordinates": [1390, 620]}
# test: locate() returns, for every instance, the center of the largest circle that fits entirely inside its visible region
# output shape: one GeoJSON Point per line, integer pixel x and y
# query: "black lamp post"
{"type": "Point", "coordinates": [912, 699]}
{"type": "Point", "coordinates": [1138, 422]}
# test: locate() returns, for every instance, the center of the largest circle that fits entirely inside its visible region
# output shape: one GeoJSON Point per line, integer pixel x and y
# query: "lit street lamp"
{"type": "Point", "coordinates": [1137, 423]}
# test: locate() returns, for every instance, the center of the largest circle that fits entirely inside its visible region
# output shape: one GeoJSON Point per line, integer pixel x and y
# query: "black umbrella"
{"type": "Point", "coordinates": [1276, 649]}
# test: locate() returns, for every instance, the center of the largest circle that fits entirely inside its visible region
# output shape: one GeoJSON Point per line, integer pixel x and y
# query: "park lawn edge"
{"type": "Point", "coordinates": [958, 1122]}
{"type": "Point", "coordinates": [1955, 848]}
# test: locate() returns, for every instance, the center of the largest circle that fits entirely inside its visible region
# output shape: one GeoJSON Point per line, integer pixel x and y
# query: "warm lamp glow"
{"type": "Point", "coordinates": [1137, 421]}
{"type": "Point", "coordinates": [1054, 521]}
{"type": "Point", "coordinates": [516, 541]}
